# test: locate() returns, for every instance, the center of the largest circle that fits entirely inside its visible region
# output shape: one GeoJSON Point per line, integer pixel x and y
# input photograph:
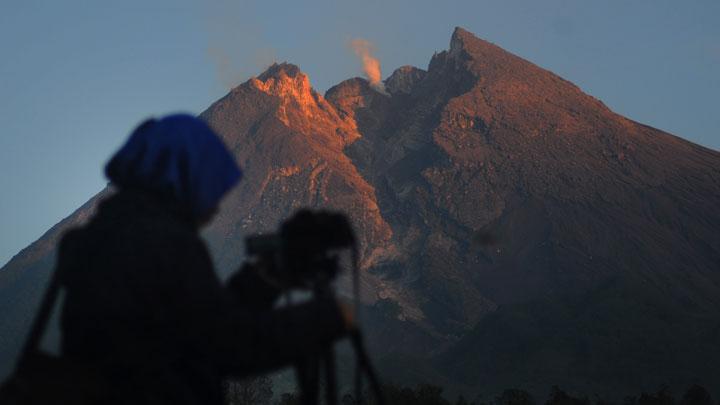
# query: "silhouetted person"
{"type": "Point", "coordinates": [143, 302]}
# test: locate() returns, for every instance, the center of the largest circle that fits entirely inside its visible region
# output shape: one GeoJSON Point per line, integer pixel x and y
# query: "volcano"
{"type": "Point", "coordinates": [515, 232]}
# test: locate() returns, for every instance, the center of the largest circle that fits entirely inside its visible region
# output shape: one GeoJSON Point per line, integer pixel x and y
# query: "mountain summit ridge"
{"type": "Point", "coordinates": [607, 230]}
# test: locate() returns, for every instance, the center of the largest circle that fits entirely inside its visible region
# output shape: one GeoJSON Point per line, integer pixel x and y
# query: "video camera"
{"type": "Point", "coordinates": [304, 253]}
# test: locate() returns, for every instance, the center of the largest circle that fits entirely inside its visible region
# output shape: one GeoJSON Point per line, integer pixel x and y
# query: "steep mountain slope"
{"type": "Point", "coordinates": [605, 274]}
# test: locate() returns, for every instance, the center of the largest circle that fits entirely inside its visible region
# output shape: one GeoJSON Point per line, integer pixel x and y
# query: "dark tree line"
{"type": "Point", "coordinates": [259, 391]}
{"type": "Point", "coordinates": [695, 395]}
{"type": "Point", "coordinates": [256, 391]}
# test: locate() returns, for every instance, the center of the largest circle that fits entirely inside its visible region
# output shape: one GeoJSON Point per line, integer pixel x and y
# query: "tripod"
{"type": "Point", "coordinates": [308, 370]}
{"type": "Point", "coordinates": [302, 254]}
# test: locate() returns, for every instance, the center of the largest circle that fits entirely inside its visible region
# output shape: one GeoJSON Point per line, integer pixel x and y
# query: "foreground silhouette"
{"type": "Point", "coordinates": [428, 394]}
{"type": "Point", "coordinates": [144, 308]}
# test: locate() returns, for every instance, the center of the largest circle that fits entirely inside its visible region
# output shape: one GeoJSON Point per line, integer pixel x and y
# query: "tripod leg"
{"type": "Point", "coordinates": [331, 384]}
{"type": "Point", "coordinates": [307, 373]}
{"type": "Point", "coordinates": [364, 364]}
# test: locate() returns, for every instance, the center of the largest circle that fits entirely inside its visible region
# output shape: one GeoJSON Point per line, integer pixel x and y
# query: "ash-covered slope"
{"type": "Point", "coordinates": [607, 272]}
{"type": "Point", "coordinates": [605, 275]}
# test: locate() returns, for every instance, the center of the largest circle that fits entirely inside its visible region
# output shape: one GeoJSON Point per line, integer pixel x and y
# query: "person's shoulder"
{"type": "Point", "coordinates": [72, 239]}
{"type": "Point", "coordinates": [143, 225]}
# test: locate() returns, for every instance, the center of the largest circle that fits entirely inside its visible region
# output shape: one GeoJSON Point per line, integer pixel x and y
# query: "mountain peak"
{"type": "Point", "coordinates": [459, 38]}
{"type": "Point", "coordinates": [277, 70]}
{"type": "Point", "coordinates": [465, 41]}
{"type": "Point", "coordinates": [461, 34]}
{"type": "Point", "coordinates": [354, 87]}
{"type": "Point", "coordinates": [500, 85]}
{"type": "Point", "coordinates": [403, 79]}
{"type": "Point", "coordinates": [285, 80]}
{"type": "Point", "coordinates": [351, 94]}
{"type": "Point", "coordinates": [299, 106]}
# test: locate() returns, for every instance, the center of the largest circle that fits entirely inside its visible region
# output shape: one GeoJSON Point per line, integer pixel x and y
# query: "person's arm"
{"type": "Point", "coordinates": [240, 339]}
{"type": "Point", "coordinates": [248, 287]}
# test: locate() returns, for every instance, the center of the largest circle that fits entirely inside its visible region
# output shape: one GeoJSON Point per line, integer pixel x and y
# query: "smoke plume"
{"type": "Point", "coordinates": [371, 65]}
{"type": "Point", "coordinates": [236, 46]}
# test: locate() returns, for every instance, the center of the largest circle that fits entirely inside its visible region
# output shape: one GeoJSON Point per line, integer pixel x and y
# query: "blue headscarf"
{"type": "Point", "coordinates": [178, 156]}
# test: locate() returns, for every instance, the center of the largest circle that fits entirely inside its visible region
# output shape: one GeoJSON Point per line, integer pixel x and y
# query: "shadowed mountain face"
{"type": "Point", "coordinates": [514, 230]}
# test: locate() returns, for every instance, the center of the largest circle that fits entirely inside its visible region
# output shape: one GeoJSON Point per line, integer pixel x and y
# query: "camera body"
{"type": "Point", "coordinates": [304, 253]}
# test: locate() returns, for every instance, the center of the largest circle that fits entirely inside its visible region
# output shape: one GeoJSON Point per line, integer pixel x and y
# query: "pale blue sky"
{"type": "Point", "coordinates": [77, 76]}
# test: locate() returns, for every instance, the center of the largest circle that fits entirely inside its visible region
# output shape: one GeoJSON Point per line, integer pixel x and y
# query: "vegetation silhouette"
{"type": "Point", "coordinates": [428, 394]}
{"type": "Point", "coordinates": [258, 390]}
